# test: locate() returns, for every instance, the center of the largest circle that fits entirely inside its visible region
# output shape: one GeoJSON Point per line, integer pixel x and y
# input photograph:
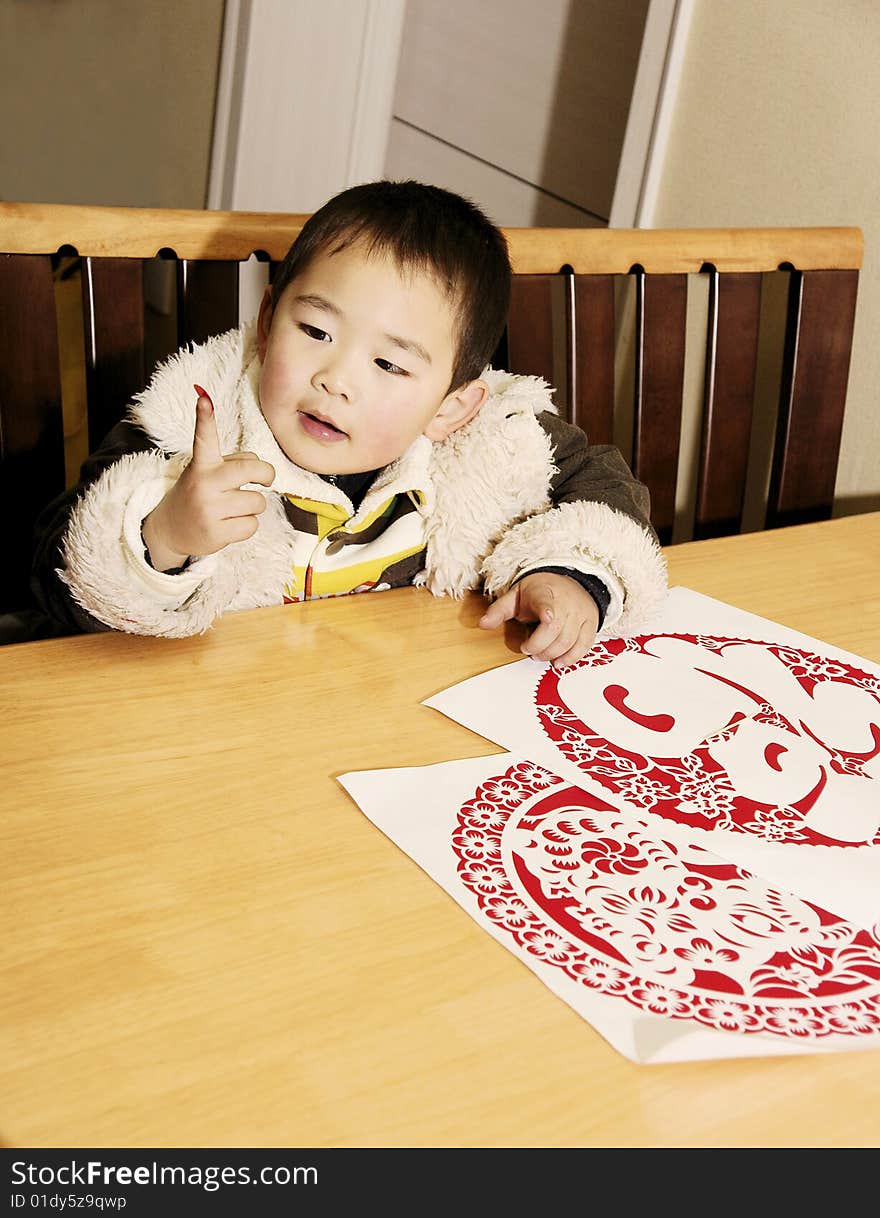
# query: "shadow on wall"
{"type": "Point", "coordinates": [854, 505]}
{"type": "Point", "coordinates": [587, 123]}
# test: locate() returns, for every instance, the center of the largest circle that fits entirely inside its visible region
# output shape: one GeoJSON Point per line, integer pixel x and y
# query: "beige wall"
{"type": "Point", "coordinates": [776, 123]}
{"type": "Point", "coordinates": [108, 101]}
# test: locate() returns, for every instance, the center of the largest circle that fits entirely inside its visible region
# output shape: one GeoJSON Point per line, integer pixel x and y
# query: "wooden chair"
{"type": "Point", "coordinates": [569, 322]}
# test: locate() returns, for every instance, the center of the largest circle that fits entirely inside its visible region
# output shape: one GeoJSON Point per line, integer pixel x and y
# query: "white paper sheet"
{"type": "Point", "coordinates": [668, 951]}
{"type": "Point", "coordinates": [719, 728]}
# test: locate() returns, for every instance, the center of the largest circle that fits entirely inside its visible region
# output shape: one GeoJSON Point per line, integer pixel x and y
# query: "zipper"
{"type": "Point", "coordinates": [316, 552]}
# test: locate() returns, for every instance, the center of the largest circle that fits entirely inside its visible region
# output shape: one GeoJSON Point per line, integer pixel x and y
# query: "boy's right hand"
{"type": "Point", "coordinates": [206, 509]}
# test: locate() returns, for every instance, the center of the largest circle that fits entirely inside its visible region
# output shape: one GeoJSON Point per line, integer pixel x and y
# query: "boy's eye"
{"type": "Point", "coordinates": [387, 366]}
{"type": "Point", "coordinates": [320, 336]}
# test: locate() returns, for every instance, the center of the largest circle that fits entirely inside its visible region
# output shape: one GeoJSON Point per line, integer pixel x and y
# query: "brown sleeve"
{"type": "Point", "coordinates": [596, 473]}
{"type": "Point", "coordinates": [51, 594]}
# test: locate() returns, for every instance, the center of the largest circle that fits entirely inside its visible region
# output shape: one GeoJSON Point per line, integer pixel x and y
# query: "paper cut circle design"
{"type": "Point", "coordinates": [675, 931]}
{"type": "Point", "coordinates": [696, 790]}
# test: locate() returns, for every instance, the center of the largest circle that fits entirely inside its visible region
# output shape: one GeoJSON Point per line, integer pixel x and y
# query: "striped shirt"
{"type": "Point", "coordinates": [380, 543]}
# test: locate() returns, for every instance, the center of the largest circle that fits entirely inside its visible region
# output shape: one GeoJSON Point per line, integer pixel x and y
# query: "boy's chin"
{"type": "Point", "coordinates": [328, 469]}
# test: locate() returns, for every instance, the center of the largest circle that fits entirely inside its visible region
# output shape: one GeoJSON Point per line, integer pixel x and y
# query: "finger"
{"type": "Point", "coordinates": [243, 503]}
{"type": "Point", "coordinates": [240, 528]}
{"type": "Point", "coordinates": [500, 611]}
{"type": "Point", "coordinates": [537, 605]}
{"type": "Point", "coordinates": [543, 636]}
{"type": "Point", "coordinates": [247, 467]}
{"type": "Point", "coordinates": [582, 644]}
{"type": "Point", "coordinates": [562, 644]}
{"type": "Point", "coordinates": [537, 602]}
{"type": "Point", "coordinates": [206, 441]}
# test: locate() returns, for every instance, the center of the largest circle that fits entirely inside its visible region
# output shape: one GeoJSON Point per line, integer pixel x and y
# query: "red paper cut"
{"type": "Point", "coordinates": [673, 930]}
{"type": "Point", "coordinates": [698, 789]}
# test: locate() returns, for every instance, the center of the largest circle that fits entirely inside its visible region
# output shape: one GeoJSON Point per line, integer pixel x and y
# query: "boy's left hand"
{"type": "Point", "coordinates": [567, 616]}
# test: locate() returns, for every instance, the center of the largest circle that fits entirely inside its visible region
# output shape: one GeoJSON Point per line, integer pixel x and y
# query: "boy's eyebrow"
{"type": "Point", "coordinates": [320, 302]}
{"type": "Point", "coordinates": [409, 344]}
{"type": "Point", "coordinates": [405, 344]}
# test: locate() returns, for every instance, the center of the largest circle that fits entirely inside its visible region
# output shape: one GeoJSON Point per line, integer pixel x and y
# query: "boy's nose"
{"type": "Point", "coordinates": [334, 387]}
{"type": "Point", "coordinates": [335, 380]}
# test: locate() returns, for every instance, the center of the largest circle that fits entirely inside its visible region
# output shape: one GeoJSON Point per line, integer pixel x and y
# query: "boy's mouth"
{"type": "Point", "coordinates": [319, 427]}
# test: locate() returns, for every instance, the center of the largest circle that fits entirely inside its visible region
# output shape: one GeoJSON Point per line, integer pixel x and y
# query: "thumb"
{"type": "Point", "coordinates": [536, 601]}
{"type": "Point", "coordinates": [501, 611]}
{"type": "Point", "coordinates": [206, 441]}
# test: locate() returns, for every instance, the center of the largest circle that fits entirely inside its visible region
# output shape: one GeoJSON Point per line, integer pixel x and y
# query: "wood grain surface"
{"type": "Point", "coordinates": [206, 943]}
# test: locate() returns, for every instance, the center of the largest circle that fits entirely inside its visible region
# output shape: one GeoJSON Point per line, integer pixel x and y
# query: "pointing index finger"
{"type": "Point", "coordinates": [206, 441]}
{"type": "Point", "coordinates": [499, 611]}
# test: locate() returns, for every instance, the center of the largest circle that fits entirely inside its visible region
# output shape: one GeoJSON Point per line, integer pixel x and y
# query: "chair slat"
{"type": "Point", "coordinates": [661, 308]}
{"type": "Point", "coordinates": [113, 313]}
{"type": "Point", "coordinates": [819, 333]}
{"type": "Point", "coordinates": [530, 326]}
{"type": "Point", "coordinates": [31, 419]}
{"type": "Point", "coordinates": [207, 299]}
{"type": "Point", "coordinates": [731, 360]}
{"type": "Point", "coordinates": [590, 352]}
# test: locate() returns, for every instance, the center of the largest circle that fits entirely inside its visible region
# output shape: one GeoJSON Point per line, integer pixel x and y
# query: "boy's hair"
{"type": "Point", "coordinates": [428, 229]}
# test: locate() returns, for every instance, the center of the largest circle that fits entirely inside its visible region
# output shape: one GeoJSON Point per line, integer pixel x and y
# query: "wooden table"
{"type": "Point", "coordinates": [205, 942]}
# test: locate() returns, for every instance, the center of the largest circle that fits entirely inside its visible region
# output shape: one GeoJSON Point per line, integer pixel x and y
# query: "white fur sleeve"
{"type": "Point", "coordinates": [104, 563]}
{"type": "Point", "coordinates": [596, 540]}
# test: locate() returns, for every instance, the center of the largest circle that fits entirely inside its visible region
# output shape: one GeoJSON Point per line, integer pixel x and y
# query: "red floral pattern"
{"type": "Point", "coordinates": [673, 931]}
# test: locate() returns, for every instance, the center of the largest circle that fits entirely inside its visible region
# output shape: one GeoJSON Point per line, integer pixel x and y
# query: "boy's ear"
{"type": "Point", "coordinates": [264, 322]}
{"type": "Point", "coordinates": [457, 409]}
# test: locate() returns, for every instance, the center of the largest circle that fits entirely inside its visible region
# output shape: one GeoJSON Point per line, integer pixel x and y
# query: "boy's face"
{"type": "Point", "coordinates": [357, 360]}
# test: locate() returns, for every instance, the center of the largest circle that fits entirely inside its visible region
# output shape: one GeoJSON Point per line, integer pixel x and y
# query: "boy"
{"type": "Point", "coordinates": [355, 438]}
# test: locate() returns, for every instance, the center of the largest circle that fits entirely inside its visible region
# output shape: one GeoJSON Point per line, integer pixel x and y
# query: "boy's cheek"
{"type": "Point", "coordinates": [270, 384]}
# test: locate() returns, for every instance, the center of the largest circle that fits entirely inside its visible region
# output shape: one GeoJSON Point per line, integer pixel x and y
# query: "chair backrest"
{"type": "Point", "coordinates": [582, 300]}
